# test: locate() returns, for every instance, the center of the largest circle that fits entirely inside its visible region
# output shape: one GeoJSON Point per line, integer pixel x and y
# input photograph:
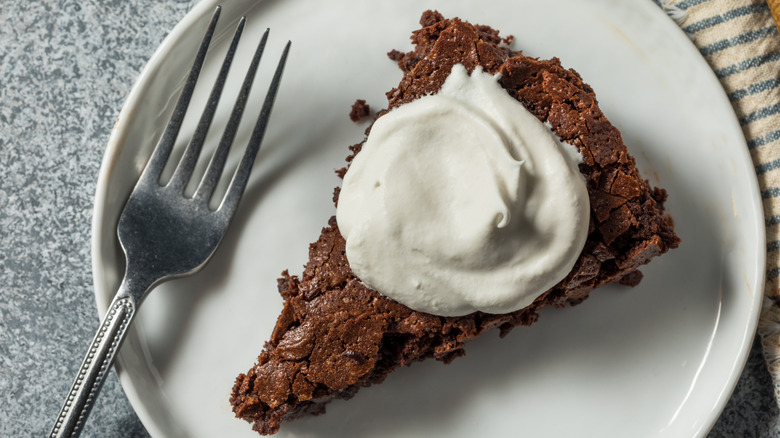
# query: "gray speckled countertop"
{"type": "Point", "coordinates": [65, 69]}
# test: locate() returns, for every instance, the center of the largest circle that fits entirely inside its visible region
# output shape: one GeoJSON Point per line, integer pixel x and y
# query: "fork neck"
{"type": "Point", "coordinates": [135, 287]}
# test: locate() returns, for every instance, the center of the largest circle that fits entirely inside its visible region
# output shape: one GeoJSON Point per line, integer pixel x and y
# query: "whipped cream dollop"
{"type": "Point", "coordinates": [463, 201]}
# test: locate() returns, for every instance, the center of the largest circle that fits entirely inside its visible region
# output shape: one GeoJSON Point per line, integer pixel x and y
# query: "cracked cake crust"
{"type": "Point", "coordinates": [335, 335]}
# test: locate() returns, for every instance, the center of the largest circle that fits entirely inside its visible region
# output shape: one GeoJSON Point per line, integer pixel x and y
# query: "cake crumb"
{"type": "Point", "coordinates": [360, 110]}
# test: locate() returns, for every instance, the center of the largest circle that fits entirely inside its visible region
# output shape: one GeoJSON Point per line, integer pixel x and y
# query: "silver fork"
{"type": "Point", "coordinates": [163, 233]}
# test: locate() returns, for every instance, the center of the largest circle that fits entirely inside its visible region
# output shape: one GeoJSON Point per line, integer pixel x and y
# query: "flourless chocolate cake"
{"type": "Point", "coordinates": [335, 335]}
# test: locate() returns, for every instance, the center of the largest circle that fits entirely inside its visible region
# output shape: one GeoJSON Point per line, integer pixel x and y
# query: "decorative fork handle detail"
{"type": "Point", "coordinates": [94, 369]}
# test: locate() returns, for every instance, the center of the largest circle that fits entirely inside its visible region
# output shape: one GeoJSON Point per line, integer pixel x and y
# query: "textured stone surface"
{"type": "Point", "coordinates": [65, 69]}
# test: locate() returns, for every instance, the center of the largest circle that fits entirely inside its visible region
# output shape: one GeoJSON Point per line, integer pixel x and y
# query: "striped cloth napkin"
{"type": "Point", "coordinates": [739, 39]}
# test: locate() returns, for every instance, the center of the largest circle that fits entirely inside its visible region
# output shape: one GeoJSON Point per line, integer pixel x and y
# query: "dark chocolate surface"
{"type": "Point", "coordinates": [335, 335]}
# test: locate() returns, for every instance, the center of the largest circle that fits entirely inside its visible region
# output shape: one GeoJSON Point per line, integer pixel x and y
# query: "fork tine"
{"type": "Point", "coordinates": [191, 154]}
{"type": "Point", "coordinates": [241, 176]}
{"type": "Point", "coordinates": [160, 155]}
{"type": "Point", "coordinates": [214, 170]}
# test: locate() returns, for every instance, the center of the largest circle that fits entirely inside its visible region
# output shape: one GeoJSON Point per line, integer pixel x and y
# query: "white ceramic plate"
{"type": "Point", "coordinates": [657, 360]}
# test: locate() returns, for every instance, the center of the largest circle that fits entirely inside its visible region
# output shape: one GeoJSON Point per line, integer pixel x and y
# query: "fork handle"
{"type": "Point", "coordinates": [94, 368]}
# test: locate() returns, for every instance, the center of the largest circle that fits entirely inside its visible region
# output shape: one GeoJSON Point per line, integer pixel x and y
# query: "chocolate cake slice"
{"type": "Point", "coordinates": [335, 335]}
